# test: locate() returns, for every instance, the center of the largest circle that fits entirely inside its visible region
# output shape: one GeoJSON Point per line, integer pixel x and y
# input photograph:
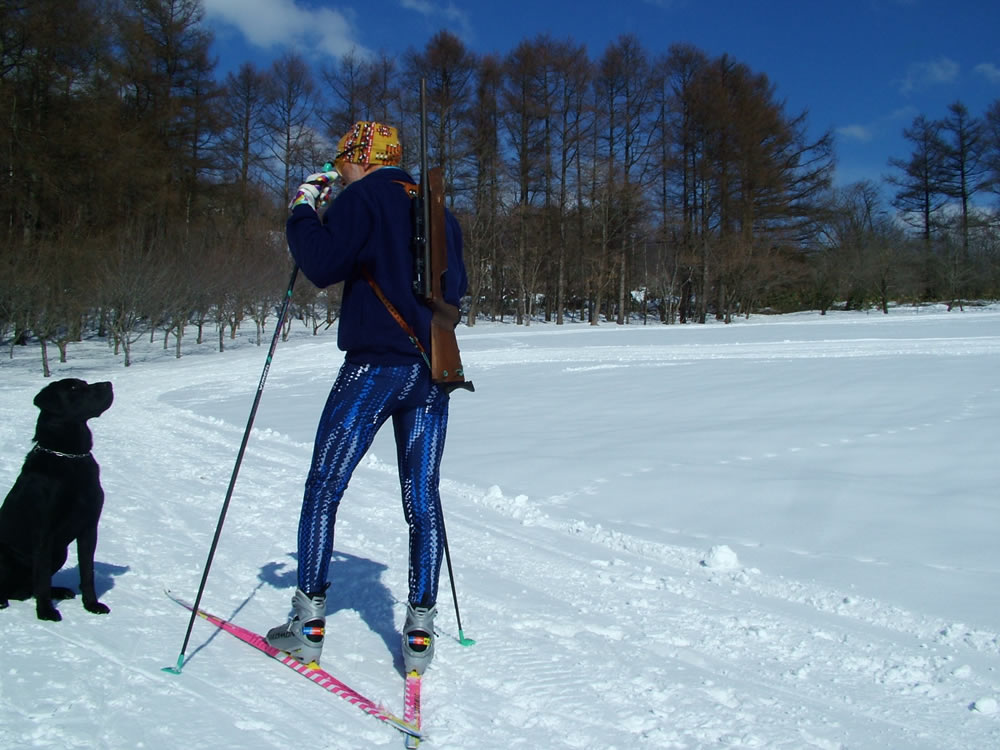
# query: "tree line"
{"type": "Point", "coordinates": [144, 193]}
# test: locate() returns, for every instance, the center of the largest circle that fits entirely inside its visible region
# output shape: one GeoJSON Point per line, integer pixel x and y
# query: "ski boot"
{"type": "Point", "coordinates": [418, 638]}
{"type": "Point", "coordinates": [302, 635]}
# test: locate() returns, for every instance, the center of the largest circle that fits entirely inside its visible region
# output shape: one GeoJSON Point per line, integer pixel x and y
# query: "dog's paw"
{"type": "Point", "coordinates": [60, 593]}
{"type": "Point", "coordinates": [48, 613]}
{"type": "Point", "coordinates": [97, 608]}
{"type": "Point", "coordinates": [4, 604]}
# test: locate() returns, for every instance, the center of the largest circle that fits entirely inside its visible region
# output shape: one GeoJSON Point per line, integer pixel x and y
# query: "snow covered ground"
{"type": "Point", "coordinates": [775, 534]}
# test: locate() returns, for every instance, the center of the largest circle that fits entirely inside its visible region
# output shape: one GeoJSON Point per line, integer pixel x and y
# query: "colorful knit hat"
{"type": "Point", "coordinates": [370, 143]}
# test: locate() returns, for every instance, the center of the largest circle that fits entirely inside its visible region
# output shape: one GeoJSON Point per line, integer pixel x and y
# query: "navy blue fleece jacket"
{"type": "Point", "coordinates": [369, 224]}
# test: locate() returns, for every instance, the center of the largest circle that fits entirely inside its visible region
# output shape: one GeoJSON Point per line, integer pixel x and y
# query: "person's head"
{"type": "Point", "coordinates": [365, 147]}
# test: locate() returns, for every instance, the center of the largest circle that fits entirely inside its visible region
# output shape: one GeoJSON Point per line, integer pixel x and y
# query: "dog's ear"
{"type": "Point", "coordinates": [53, 397]}
{"type": "Point", "coordinates": [47, 398]}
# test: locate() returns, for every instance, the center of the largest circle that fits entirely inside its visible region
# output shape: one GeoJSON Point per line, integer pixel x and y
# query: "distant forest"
{"type": "Point", "coordinates": [144, 193]}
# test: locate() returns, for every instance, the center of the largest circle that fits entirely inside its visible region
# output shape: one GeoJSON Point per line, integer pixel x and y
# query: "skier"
{"type": "Point", "coordinates": [364, 239]}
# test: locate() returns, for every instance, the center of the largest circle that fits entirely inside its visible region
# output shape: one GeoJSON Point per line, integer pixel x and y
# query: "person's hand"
{"type": "Point", "coordinates": [315, 191]}
{"type": "Point", "coordinates": [323, 178]}
{"type": "Point", "coordinates": [307, 195]}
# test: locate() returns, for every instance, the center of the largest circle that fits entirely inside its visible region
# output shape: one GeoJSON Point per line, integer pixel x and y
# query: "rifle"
{"type": "Point", "coordinates": [430, 254]}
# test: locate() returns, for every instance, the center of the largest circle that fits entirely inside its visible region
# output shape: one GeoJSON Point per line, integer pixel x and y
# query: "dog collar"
{"type": "Point", "coordinates": [61, 455]}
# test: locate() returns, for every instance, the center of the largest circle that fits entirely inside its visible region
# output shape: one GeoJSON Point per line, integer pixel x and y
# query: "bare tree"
{"type": "Point", "coordinates": [483, 220]}
{"type": "Point", "coordinates": [290, 120]}
{"type": "Point", "coordinates": [343, 98]}
{"type": "Point", "coordinates": [678, 189]}
{"type": "Point", "coordinates": [963, 167]}
{"type": "Point", "coordinates": [992, 160]}
{"type": "Point", "coordinates": [385, 101]}
{"type": "Point", "coordinates": [624, 84]}
{"type": "Point", "coordinates": [920, 188]}
{"type": "Point", "coordinates": [359, 88]}
{"type": "Point", "coordinates": [524, 106]}
{"type": "Point", "coordinates": [762, 178]}
{"type": "Point", "coordinates": [570, 121]}
{"type": "Point", "coordinates": [449, 69]}
{"type": "Point", "coordinates": [130, 276]}
{"type": "Point", "coordinates": [167, 89]}
{"type": "Point", "coordinates": [867, 244]}
{"type": "Point", "coordinates": [243, 145]}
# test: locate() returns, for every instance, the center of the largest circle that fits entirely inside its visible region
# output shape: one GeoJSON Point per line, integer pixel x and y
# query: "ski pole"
{"type": "Point", "coordinates": [454, 594]}
{"type": "Point", "coordinates": [236, 470]}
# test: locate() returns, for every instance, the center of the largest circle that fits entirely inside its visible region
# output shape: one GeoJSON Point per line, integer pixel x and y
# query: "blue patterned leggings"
{"type": "Point", "coordinates": [361, 401]}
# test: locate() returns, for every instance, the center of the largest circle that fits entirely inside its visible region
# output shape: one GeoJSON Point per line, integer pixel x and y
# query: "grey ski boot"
{"type": "Point", "coordinates": [302, 635]}
{"type": "Point", "coordinates": [418, 638]}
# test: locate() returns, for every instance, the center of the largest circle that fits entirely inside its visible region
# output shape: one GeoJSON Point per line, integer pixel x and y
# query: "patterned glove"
{"type": "Point", "coordinates": [324, 178]}
{"type": "Point", "coordinates": [315, 191]}
{"type": "Point", "coordinates": [307, 195]}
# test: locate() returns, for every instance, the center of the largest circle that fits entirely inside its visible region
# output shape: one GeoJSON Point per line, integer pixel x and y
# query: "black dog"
{"type": "Point", "coordinates": [57, 498]}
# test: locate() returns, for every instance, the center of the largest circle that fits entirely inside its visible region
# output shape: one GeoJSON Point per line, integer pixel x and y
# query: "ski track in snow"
{"type": "Point", "coordinates": [588, 637]}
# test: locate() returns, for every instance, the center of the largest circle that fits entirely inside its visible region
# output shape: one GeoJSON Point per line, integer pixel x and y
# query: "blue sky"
{"type": "Point", "coordinates": [861, 68]}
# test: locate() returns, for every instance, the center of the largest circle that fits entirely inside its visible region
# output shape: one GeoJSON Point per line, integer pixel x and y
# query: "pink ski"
{"type": "Point", "coordinates": [411, 708]}
{"type": "Point", "coordinates": [312, 671]}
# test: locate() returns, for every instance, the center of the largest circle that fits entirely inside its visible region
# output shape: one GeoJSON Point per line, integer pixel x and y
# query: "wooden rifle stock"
{"type": "Point", "coordinates": [430, 241]}
{"type": "Point", "coordinates": [446, 360]}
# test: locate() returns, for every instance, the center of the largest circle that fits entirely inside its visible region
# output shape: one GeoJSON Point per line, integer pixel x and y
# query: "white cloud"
{"type": "Point", "coordinates": [861, 133]}
{"type": "Point", "coordinates": [280, 23]}
{"type": "Point", "coordinates": [903, 113]}
{"type": "Point", "coordinates": [923, 74]}
{"type": "Point", "coordinates": [989, 71]}
{"type": "Point", "coordinates": [448, 16]}
{"type": "Point", "coordinates": [867, 132]}
{"type": "Point", "coordinates": [420, 6]}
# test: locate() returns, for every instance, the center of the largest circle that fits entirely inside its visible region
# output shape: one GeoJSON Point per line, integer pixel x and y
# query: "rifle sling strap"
{"type": "Point", "coordinates": [395, 314]}
{"type": "Point", "coordinates": [412, 191]}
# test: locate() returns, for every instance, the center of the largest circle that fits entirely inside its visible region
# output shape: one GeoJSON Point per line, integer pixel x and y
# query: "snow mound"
{"type": "Point", "coordinates": [986, 706]}
{"type": "Point", "coordinates": [721, 557]}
